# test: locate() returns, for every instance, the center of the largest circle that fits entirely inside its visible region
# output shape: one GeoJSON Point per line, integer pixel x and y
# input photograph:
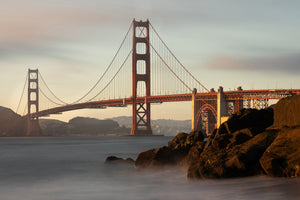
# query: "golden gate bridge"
{"type": "Point", "coordinates": [152, 75]}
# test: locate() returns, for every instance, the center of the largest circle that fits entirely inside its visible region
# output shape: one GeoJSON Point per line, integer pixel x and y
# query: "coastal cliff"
{"type": "Point", "coordinates": [251, 142]}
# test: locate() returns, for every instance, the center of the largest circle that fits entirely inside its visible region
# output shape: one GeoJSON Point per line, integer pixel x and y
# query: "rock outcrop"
{"type": "Point", "coordinates": [251, 142]}
{"type": "Point", "coordinates": [282, 157]}
{"type": "Point", "coordinates": [179, 151]}
{"type": "Point", "coordinates": [287, 112]}
{"type": "Point", "coordinates": [114, 160]}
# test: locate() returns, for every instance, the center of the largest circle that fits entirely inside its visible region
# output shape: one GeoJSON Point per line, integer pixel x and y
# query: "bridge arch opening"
{"type": "Point", "coordinates": [141, 67]}
{"type": "Point", "coordinates": [141, 48]}
{"type": "Point", "coordinates": [33, 96]}
{"type": "Point", "coordinates": [206, 119]}
{"type": "Point", "coordinates": [141, 89]}
{"type": "Point", "coordinates": [33, 108]}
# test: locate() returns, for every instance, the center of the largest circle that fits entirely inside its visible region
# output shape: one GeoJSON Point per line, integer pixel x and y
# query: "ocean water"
{"type": "Point", "coordinates": [73, 169]}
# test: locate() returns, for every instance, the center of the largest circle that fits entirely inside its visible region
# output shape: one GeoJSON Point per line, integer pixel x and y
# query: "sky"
{"type": "Point", "coordinates": [253, 44]}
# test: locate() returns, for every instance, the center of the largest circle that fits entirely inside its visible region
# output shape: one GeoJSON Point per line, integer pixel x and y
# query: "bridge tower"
{"type": "Point", "coordinates": [33, 127]}
{"type": "Point", "coordinates": [140, 110]}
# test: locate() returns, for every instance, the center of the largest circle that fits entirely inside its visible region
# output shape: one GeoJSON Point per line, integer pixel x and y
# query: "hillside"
{"type": "Point", "coordinates": [81, 126]}
{"type": "Point", "coordinates": [11, 124]}
{"type": "Point", "coordinates": [166, 127]}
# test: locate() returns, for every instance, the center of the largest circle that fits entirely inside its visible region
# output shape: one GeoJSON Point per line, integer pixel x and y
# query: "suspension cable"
{"type": "Point", "coordinates": [23, 91]}
{"type": "Point", "coordinates": [25, 109]}
{"type": "Point", "coordinates": [52, 92]}
{"type": "Point", "coordinates": [119, 67]}
{"type": "Point", "coordinates": [112, 77]}
{"type": "Point", "coordinates": [49, 98]}
{"type": "Point", "coordinates": [110, 64]}
{"type": "Point", "coordinates": [167, 64]}
{"type": "Point", "coordinates": [177, 59]}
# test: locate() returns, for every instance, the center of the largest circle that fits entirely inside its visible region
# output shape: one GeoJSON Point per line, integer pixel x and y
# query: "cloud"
{"type": "Point", "coordinates": [288, 63]}
{"type": "Point", "coordinates": [27, 24]}
{"type": "Point", "coordinates": [58, 30]}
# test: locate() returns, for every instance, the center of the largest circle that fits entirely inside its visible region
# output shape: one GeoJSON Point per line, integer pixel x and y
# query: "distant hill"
{"type": "Point", "coordinates": [52, 127]}
{"type": "Point", "coordinates": [166, 127]}
{"type": "Point", "coordinates": [11, 124]}
{"type": "Point", "coordinates": [81, 126]}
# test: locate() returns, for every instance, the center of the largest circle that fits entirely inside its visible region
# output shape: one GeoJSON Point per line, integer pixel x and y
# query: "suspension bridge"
{"type": "Point", "coordinates": [152, 75]}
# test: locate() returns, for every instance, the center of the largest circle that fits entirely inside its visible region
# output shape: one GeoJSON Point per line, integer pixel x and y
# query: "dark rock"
{"type": "Point", "coordinates": [194, 137]}
{"type": "Point", "coordinates": [232, 160]}
{"type": "Point", "coordinates": [194, 153]}
{"type": "Point", "coordinates": [247, 144]}
{"type": "Point", "coordinates": [249, 122]}
{"type": "Point", "coordinates": [287, 112]}
{"type": "Point", "coordinates": [160, 157]}
{"type": "Point", "coordinates": [242, 136]}
{"type": "Point", "coordinates": [145, 159]}
{"type": "Point", "coordinates": [258, 120]}
{"type": "Point", "coordinates": [178, 142]}
{"type": "Point", "coordinates": [282, 158]}
{"type": "Point", "coordinates": [173, 154]}
{"type": "Point", "coordinates": [114, 159]}
{"type": "Point", "coordinates": [168, 156]}
{"type": "Point", "coordinates": [129, 160]}
{"type": "Point", "coordinates": [221, 141]}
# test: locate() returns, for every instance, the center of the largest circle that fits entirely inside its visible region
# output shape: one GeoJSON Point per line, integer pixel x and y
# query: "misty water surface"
{"type": "Point", "coordinates": [73, 168]}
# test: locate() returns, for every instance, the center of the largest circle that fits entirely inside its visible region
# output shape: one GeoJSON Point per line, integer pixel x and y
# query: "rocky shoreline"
{"type": "Point", "coordinates": [251, 142]}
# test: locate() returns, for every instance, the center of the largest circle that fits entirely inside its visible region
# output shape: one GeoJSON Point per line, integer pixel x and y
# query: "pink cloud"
{"type": "Point", "coordinates": [22, 23]}
{"type": "Point", "coordinates": [288, 63]}
{"type": "Point", "coordinates": [225, 62]}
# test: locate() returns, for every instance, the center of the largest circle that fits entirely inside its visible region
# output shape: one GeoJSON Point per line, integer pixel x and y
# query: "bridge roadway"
{"type": "Point", "coordinates": [230, 96]}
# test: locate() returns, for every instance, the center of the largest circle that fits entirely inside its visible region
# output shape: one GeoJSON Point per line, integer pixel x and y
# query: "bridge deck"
{"type": "Point", "coordinates": [230, 95]}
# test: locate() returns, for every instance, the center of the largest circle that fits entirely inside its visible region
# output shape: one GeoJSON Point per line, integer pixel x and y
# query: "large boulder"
{"type": "Point", "coordinates": [287, 112]}
{"type": "Point", "coordinates": [252, 142]}
{"type": "Point", "coordinates": [159, 157]}
{"type": "Point", "coordinates": [256, 120]}
{"type": "Point", "coordinates": [175, 153]}
{"type": "Point", "coordinates": [240, 127]}
{"type": "Point", "coordinates": [232, 155]}
{"type": "Point", "coordinates": [282, 158]}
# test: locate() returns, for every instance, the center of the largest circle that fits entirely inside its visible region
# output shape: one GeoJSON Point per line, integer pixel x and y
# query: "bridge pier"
{"type": "Point", "coordinates": [33, 127]}
{"type": "Point", "coordinates": [222, 109]}
{"type": "Point", "coordinates": [195, 109]}
{"type": "Point", "coordinates": [141, 111]}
